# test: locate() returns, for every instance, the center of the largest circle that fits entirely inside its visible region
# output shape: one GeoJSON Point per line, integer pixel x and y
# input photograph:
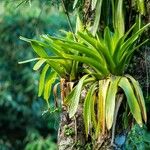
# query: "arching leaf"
{"type": "Point", "coordinates": [97, 16]}
{"type": "Point", "coordinates": [94, 2]}
{"type": "Point", "coordinates": [75, 3]}
{"type": "Point", "coordinates": [101, 106]}
{"type": "Point", "coordinates": [111, 101]}
{"type": "Point", "coordinates": [139, 95]}
{"type": "Point", "coordinates": [87, 109]}
{"type": "Point", "coordinates": [48, 85]}
{"type": "Point", "coordinates": [42, 80]}
{"type": "Point", "coordinates": [131, 99]}
{"type": "Point", "coordinates": [39, 64]}
{"type": "Point", "coordinates": [74, 101]}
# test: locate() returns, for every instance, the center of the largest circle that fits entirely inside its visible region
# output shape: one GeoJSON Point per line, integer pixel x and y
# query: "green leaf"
{"type": "Point", "coordinates": [97, 16]}
{"type": "Point", "coordinates": [111, 101]}
{"type": "Point", "coordinates": [101, 107]}
{"type": "Point", "coordinates": [132, 39]}
{"type": "Point", "coordinates": [119, 42]}
{"type": "Point", "coordinates": [29, 60]}
{"type": "Point", "coordinates": [42, 80]}
{"type": "Point", "coordinates": [94, 44]}
{"type": "Point", "coordinates": [88, 39]}
{"type": "Point", "coordinates": [141, 6]}
{"type": "Point", "coordinates": [131, 99]}
{"type": "Point", "coordinates": [25, 39]}
{"type": "Point", "coordinates": [68, 99]}
{"type": "Point", "coordinates": [108, 40]}
{"type": "Point", "coordinates": [89, 61]}
{"type": "Point", "coordinates": [83, 49]}
{"type": "Point", "coordinates": [89, 80]}
{"type": "Point", "coordinates": [107, 56]}
{"type": "Point", "coordinates": [37, 46]}
{"type": "Point", "coordinates": [75, 3]}
{"type": "Point", "coordinates": [57, 65]}
{"type": "Point", "coordinates": [139, 95]}
{"type": "Point", "coordinates": [79, 25]}
{"type": "Point", "coordinates": [138, 24]}
{"type": "Point", "coordinates": [124, 61]}
{"type": "Point", "coordinates": [87, 110]}
{"type": "Point", "coordinates": [125, 49]}
{"type": "Point", "coordinates": [93, 112]}
{"type": "Point", "coordinates": [74, 70]}
{"type": "Point", "coordinates": [48, 85]}
{"type": "Point", "coordinates": [38, 49]}
{"type": "Point", "coordinates": [119, 18]}
{"type": "Point", "coordinates": [74, 101]}
{"type": "Point", "coordinates": [94, 2]}
{"type": "Point", "coordinates": [39, 64]}
{"type": "Point", "coordinates": [52, 45]}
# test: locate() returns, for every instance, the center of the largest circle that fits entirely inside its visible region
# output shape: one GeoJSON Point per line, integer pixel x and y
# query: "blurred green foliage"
{"type": "Point", "coordinates": [138, 139]}
{"type": "Point", "coordinates": [36, 142]}
{"type": "Point", "coordinates": [21, 122]}
{"type": "Point", "coordinates": [22, 125]}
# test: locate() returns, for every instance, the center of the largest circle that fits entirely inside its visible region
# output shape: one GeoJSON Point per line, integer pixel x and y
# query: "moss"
{"type": "Point", "coordinates": [69, 131]}
{"type": "Point", "coordinates": [78, 145]}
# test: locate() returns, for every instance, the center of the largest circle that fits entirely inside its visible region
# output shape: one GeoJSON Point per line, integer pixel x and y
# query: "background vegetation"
{"type": "Point", "coordinates": [22, 125]}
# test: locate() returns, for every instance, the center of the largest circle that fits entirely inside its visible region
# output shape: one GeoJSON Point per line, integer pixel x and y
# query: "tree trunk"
{"type": "Point", "coordinates": [71, 134]}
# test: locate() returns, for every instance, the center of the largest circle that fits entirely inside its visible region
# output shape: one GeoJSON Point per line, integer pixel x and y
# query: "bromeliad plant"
{"type": "Point", "coordinates": [103, 61]}
{"type": "Point", "coordinates": [96, 63]}
{"type": "Point", "coordinates": [53, 69]}
{"type": "Point", "coordinates": [107, 58]}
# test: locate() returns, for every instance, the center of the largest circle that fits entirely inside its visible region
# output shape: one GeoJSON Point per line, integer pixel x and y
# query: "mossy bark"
{"type": "Point", "coordinates": [71, 133]}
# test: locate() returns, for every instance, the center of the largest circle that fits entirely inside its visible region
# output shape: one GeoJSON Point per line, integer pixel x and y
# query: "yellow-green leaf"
{"type": "Point", "coordinates": [141, 6]}
{"type": "Point", "coordinates": [75, 97]}
{"type": "Point", "coordinates": [119, 18]}
{"type": "Point", "coordinates": [93, 113]}
{"type": "Point", "coordinates": [48, 84]}
{"type": "Point", "coordinates": [131, 99]}
{"type": "Point", "coordinates": [94, 2]}
{"type": "Point", "coordinates": [75, 3]}
{"type": "Point", "coordinates": [42, 79]}
{"type": "Point", "coordinates": [139, 95]}
{"type": "Point", "coordinates": [39, 64]}
{"type": "Point", "coordinates": [38, 49]}
{"type": "Point", "coordinates": [101, 106]}
{"type": "Point", "coordinates": [97, 16]}
{"type": "Point", "coordinates": [87, 109]}
{"type": "Point", "coordinates": [111, 101]}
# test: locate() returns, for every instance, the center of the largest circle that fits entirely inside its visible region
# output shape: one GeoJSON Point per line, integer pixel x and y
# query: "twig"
{"type": "Point", "coordinates": [147, 75]}
{"type": "Point", "coordinates": [68, 18]}
{"type": "Point", "coordinates": [75, 124]}
{"type": "Point", "coordinates": [21, 3]}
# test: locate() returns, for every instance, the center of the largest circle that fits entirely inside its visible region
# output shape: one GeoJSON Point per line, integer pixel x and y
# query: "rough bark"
{"type": "Point", "coordinates": [71, 131]}
{"type": "Point", "coordinates": [71, 134]}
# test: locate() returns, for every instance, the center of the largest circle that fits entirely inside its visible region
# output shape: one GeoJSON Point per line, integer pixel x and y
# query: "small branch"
{"type": "Point", "coordinates": [75, 124]}
{"type": "Point", "coordinates": [68, 18]}
{"type": "Point", "coordinates": [147, 75]}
